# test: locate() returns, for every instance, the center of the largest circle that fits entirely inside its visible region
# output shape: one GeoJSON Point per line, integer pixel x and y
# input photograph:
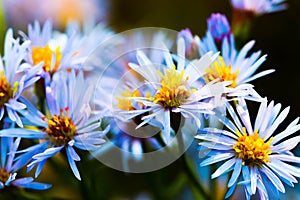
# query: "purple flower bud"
{"type": "Point", "coordinates": [218, 26]}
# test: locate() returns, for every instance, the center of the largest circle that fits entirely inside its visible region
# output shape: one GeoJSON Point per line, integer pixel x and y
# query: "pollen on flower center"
{"type": "Point", "coordinates": [124, 103]}
{"type": "Point", "coordinates": [45, 54]}
{"type": "Point", "coordinates": [172, 92]}
{"type": "Point", "coordinates": [252, 149]}
{"type": "Point", "coordinates": [60, 129]}
{"type": "Point", "coordinates": [6, 91]}
{"type": "Point", "coordinates": [4, 175]}
{"type": "Point", "coordinates": [219, 70]}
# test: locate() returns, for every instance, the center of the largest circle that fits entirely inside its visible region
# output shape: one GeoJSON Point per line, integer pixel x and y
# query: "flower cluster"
{"type": "Point", "coordinates": [52, 96]}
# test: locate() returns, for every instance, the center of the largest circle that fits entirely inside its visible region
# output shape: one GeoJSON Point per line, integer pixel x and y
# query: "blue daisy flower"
{"type": "Point", "coordinates": [232, 65]}
{"type": "Point", "coordinates": [177, 89]}
{"type": "Point", "coordinates": [260, 159]}
{"type": "Point", "coordinates": [59, 51]}
{"type": "Point", "coordinates": [68, 122]}
{"type": "Point", "coordinates": [13, 80]}
{"type": "Point", "coordinates": [9, 167]}
{"type": "Point", "coordinates": [117, 84]}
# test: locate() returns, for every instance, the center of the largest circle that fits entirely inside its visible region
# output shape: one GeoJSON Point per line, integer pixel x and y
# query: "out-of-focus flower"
{"type": "Point", "coordinates": [54, 51]}
{"type": "Point", "coordinates": [62, 51]}
{"type": "Point", "coordinates": [176, 89]}
{"type": "Point", "coordinates": [12, 78]}
{"type": "Point", "coordinates": [117, 84]}
{"type": "Point", "coordinates": [259, 7]}
{"type": "Point", "coordinates": [244, 11]}
{"type": "Point", "coordinates": [9, 167]}
{"type": "Point", "coordinates": [259, 157]}
{"type": "Point", "coordinates": [191, 51]}
{"type": "Point", "coordinates": [233, 65]}
{"type": "Point", "coordinates": [20, 13]}
{"type": "Point", "coordinates": [69, 123]}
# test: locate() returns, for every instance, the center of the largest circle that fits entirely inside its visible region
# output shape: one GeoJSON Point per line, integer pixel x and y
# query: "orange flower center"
{"type": "Point", "coordinates": [4, 175]}
{"type": "Point", "coordinates": [45, 54]}
{"type": "Point", "coordinates": [6, 91]}
{"type": "Point", "coordinates": [219, 70]}
{"type": "Point", "coordinates": [60, 129]}
{"type": "Point", "coordinates": [252, 149]}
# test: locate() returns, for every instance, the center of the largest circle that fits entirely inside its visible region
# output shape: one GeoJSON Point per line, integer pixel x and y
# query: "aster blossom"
{"type": "Point", "coordinates": [13, 80]}
{"type": "Point", "coordinates": [69, 123]}
{"type": "Point", "coordinates": [62, 50]}
{"type": "Point", "coordinates": [259, 157]}
{"type": "Point", "coordinates": [123, 134]}
{"type": "Point", "coordinates": [9, 167]}
{"type": "Point", "coordinates": [176, 89]}
{"type": "Point", "coordinates": [232, 65]}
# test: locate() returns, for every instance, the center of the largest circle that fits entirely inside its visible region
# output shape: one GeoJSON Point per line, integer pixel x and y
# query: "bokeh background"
{"type": "Point", "coordinates": [276, 34]}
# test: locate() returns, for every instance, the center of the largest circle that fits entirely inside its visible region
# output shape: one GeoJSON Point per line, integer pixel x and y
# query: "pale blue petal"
{"type": "Point", "coordinates": [287, 132]}
{"type": "Point", "coordinates": [283, 173]}
{"type": "Point", "coordinates": [35, 186]}
{"type": "Point", "coordinates": [276, 123]}
{"type": "Point", "coordinates": [181, 54]}
{"type": "Point", "coordinates": [217, 131]}
{"type": "Point", "coordinates": [216, 158]}
{"type": "Point", "coordinates": [89, 128]}
{"type": "Point", "coordinates": [4, 150]}
{"type": "Point", "coordinates": [23, 180]}
{"type": "Point", "coordinates": [293, 123]}
{"type": "Point", "coordinates": [23, 133]}
{"type": "Point", "coordinates": [287, 158]}
{"type": "Point", "coordinates": [220, 139]}
{"type": "Point", "coordinates": [261, 113]}
{"type": "Point", "coordinates": [273, 178]}
{"type": "Point", "coordinates": [253, 177]}
{"type": "Point", "coordinates": [256, 76]}
{"type": "Point", "coordinates": [167, 126]}
{"type": "Point", "coordinates": [213, 145]}
{"type": "Point", "coordinates": [236, 173]}
{"type": "Point", "coordinates": [73, 153]}
{"type": "Point", "coordinates": [227, 166]}
{"type": "Point", "coordinates": [286, 145]}
{"type": "Point", "coordinates": [73, 166]}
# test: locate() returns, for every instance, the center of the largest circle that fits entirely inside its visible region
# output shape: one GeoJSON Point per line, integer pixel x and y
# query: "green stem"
{"type": "Point", "coordinates": [192, 177]}
{"type": "Point", "coordinates": [188, 168]}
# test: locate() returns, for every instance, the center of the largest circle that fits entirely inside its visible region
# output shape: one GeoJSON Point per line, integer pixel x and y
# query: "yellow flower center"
{"type": "Point", "coordinates": [60, 129]}
{"type": "Point", "coordinates": [6, 91]}
{"type": "Point", "coordinates": [4, 175]}
{"type": "Point", "coordinates": [173, 92]}
{"type": "Point", "coordinates": [124, 103]}
{"type": "Point", "coordinates": [45, 54]}
{"type": "Point", "coordinates": [252, 149]}
{"type": "Point", "coordinates": [219, 70]}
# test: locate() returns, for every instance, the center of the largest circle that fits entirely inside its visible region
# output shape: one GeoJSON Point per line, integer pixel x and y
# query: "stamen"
{"type": "Point", "coordinates": [126, 104]}
{"type": "Point", "coordinates": [252, 149]}
{"type": "Point", "coordinates": [45, 54]}
{"type": "Point", "coordinates": [6, 91]}
{"type": "Point", "coordinates": [219, 70]}
{"type": "Point", "coordinates": [61, 129]}
{"type": "Point", "coordinates": [173, 92]}
{"type": "Point", "coordinates": [4, 175]}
